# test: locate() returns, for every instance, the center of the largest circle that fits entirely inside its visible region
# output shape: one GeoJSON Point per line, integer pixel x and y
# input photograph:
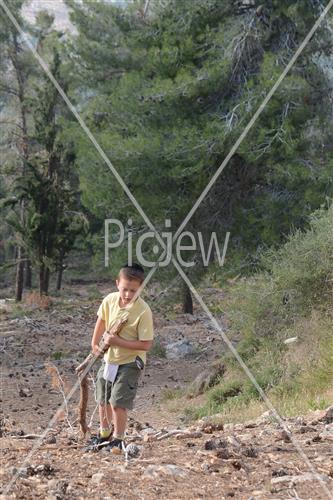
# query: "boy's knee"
{"type": "Point", "coordinates": [118, 409]}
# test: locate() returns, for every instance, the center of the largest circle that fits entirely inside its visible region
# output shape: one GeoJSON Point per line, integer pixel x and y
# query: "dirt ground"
{"type": "Point", "coordinates": [39, 352]}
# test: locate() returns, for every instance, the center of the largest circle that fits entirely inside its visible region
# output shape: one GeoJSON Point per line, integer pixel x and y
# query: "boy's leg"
{"type": "Point", "coordinates": [122, 398]}
{"type": "Point", "coordinates": [119, 421]}
{"type": "Point", "coordinates": [102, 396]}
{"type": "Point", "coordinates": [105, 419]}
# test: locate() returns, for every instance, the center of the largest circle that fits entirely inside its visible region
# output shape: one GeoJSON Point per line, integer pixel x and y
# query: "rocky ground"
{"type": "Point", "coordinates": [42, 449]}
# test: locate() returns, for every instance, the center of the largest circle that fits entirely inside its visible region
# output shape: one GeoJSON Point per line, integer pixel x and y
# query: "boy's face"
{"type": "Point", "coordinates": [127, 289]}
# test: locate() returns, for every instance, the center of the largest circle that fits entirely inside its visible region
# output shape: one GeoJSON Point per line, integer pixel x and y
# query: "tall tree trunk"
{"type": "Point", "coordinates": [59, 276]}
{"type": "Point", "coordinates": [28, 274]}
{"type": "Point", "coordinates": [60, 268]}
{"type": "Point", "coordinates": [44, 279]}
{"type": "Point", "coordinates": [19, 281]}
{"type": "Point", "coordinates": [47, 280]}
{"type": "Point", "coordinates": [19, 275]}
{"type": "Point", "coordinates": [187, 300]}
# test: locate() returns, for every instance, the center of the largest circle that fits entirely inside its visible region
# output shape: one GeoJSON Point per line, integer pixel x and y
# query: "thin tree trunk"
{"type": "Point", "coordinates": [59, 277]}
{"type": "Point", "coordinates": [47, 280]}
{"type": "Point", "coordinates": [44, 278]}
{"type": "Point", "coordinates": [28, 274]}
{"type": "Point", "coordinates": [19, 281]}
{"type": "Point", "coordinates": [19, 275]}
{"type": "Point", "coordinates": [187, 300]}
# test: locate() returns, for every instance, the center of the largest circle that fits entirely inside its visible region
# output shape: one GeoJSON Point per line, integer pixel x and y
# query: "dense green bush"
{"type": "Point", "coordinates": [289, 299]}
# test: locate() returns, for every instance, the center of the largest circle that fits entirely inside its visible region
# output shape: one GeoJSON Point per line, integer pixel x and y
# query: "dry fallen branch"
{"type": "Point", "coordinates": [59, 384]}
{"type": "Point", "coordinates": [176, 433]}
{"type": "Point", "coordinates": [28, 436]}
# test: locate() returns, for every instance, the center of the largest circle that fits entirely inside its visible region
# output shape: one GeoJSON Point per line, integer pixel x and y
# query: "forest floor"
{"type": "Point", "coordinates": [204, 459]}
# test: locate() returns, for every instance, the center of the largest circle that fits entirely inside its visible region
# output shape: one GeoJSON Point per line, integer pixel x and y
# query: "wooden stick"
{"type": "Point", "coordinates": [189, 435]}
{"type": "Point", "coordinates": [28, 436]}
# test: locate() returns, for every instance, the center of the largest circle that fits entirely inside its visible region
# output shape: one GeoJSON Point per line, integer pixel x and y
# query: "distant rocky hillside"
{"type": "Point", "coordinates": [58, 8]}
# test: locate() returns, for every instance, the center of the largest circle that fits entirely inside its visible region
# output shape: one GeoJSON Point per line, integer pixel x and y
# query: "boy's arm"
{"type": "Point", "coordinates": [145, 335]}
{"type": "Point", "coordinates": [136, 345]}
{"type": "Point", "coordinates": [97, 335]}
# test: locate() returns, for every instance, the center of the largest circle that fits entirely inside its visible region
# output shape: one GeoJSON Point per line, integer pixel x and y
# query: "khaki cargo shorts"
{"type": "Point", "coordinates": [122, 391]}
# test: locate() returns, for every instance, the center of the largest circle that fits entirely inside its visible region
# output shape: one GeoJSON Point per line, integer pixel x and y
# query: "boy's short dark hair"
{"type": "Point", "coordinates": [133, 272]}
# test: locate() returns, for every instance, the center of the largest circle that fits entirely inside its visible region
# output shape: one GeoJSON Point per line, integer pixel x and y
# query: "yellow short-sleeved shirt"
{"type": "Point", "coordinates": [138, 327]}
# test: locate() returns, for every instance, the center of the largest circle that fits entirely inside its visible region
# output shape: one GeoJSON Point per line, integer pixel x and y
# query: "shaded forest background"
{"type": "Point", "coordinates": [166, 88]}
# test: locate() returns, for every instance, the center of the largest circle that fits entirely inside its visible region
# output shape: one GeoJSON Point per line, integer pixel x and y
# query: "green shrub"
{"type": "Point", "coordinates": [60, 355]}
{"type": "Point", "coordinates": [290, 297]}
{"type": "Point", "coordinates": [220, 394]}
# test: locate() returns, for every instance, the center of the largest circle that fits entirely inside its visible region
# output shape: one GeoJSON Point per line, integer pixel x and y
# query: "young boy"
{"type": "Point", "coordinates": [118, 377]}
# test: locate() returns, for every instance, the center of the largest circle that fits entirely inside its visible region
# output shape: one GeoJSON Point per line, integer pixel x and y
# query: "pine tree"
{"type": "Point", "coordinates": [169, 95]}
{"type": "Point", "coordinates": [48, 190]}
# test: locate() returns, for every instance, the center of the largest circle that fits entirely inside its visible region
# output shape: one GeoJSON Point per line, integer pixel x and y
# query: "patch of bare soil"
{"type": "Point", "coordinates": [43, 453]}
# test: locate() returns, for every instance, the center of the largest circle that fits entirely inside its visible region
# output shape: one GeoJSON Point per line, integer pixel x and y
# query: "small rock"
{"type": "Point", "coordinates": [97, 477]}
{"type": "Point", "coordinates": [327, 435]}
{"type": "Point", "coordinates": [180, 349]}
{"type": "Point", "coordinates": [213, 444]}
{"type": "Point", "coordinates": [300, 420]}
{"type": "Point", "coordinates": [148, 430]}
{"type": "Point", "coordinates": [42, 470]}
{"type": "Point", "coordinates": [205, 467]}
{"type": "Point", "coordinates": [250, 451]}
{"type": "Point", "coordinates": [58, 487]}
{"type": "Point", "coordinates": [52, 483]}
{"type": "Point", "coordinates": [50, 440]}
{"type": "Point", "coordinates": [250, 425]}
{"type": "Point", "coordinates": [328, 417]}
{"type": "Point", "coordinates": [306, 428]}
{"type": "Point", "coordinates": [132, 451]}
{"type": "Point", "coordinates": [21, 471]}
{"type": "Point", "coordinates": [25, 393]}
{"type": "Point", "coordinates": [279, 472]}
{"type": "Point", "coordinates": [154, 471]}
{"type": "Point", "coordinates": [234, 442]}
{"type": "Point", "coordinates": [138, 426]}
{"type": "Point", "coordinates": [224, 453]}
{"type": "Point", "coordinates": [210, 445]}
{"type": "Point", "coordinates": [237, 464]}
{"type": "Point", "coordinates": [286, 436]}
